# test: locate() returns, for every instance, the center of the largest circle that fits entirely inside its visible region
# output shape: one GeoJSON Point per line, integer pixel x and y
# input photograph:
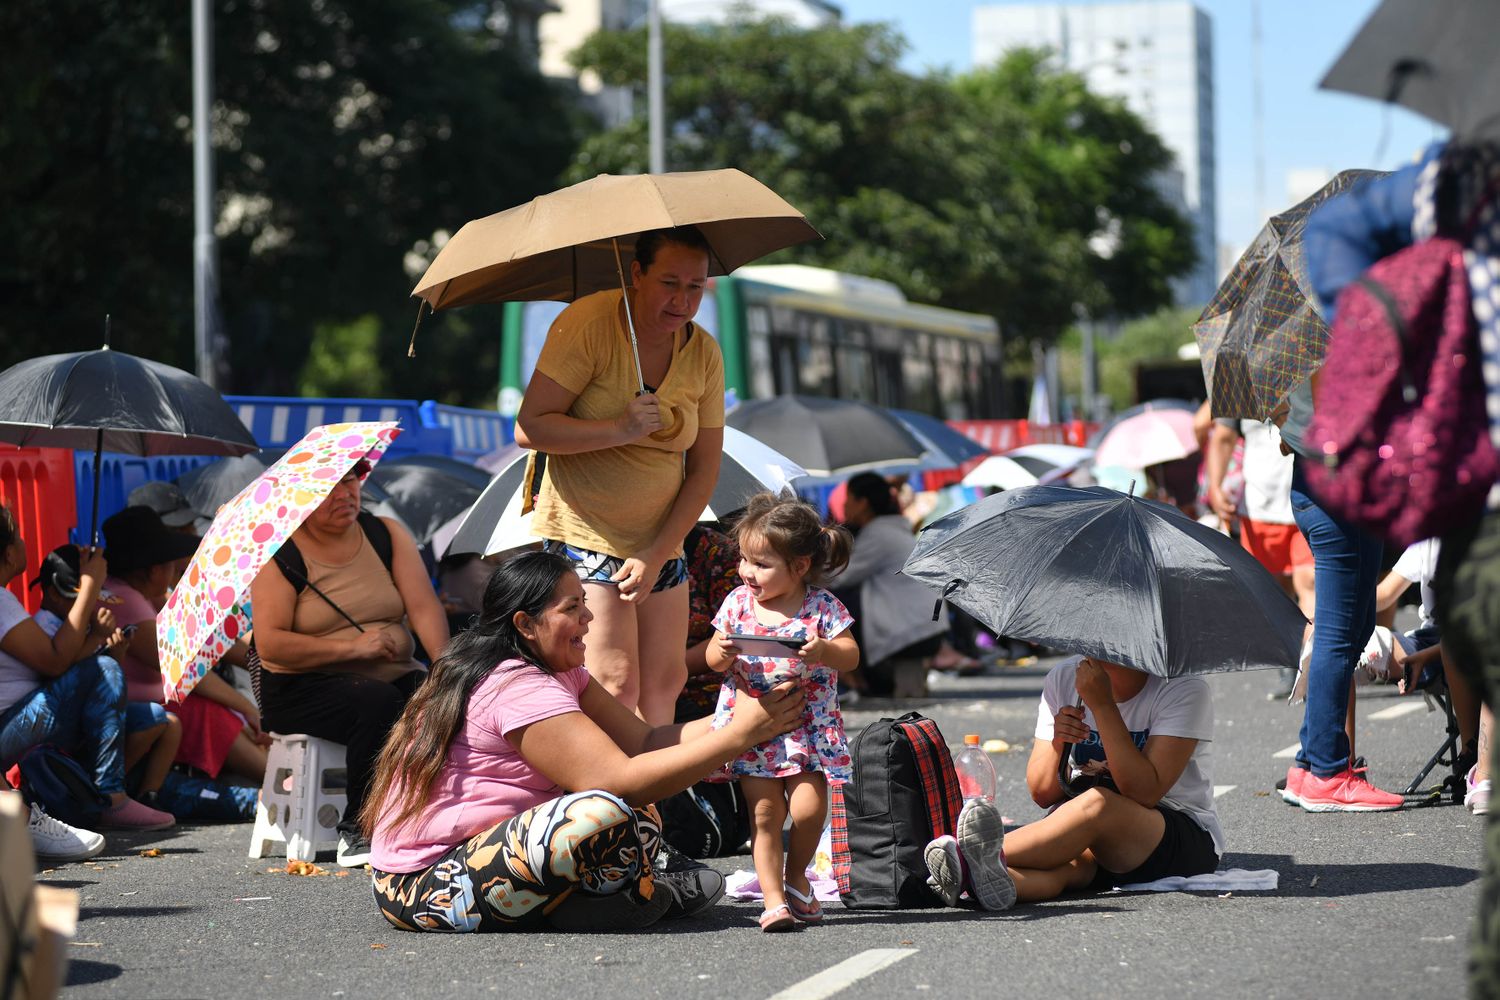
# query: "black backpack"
{"type": "Point", "coordinates": [55, 781]}
{"type": "Point", "coordinates": [708, 820]}
{"type": "Point", "coordinates": [904, 794]}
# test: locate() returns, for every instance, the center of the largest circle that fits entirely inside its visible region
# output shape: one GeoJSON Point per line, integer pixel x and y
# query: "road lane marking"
{"type": "Point", "coordinates": [1288, 752]}
{"type": "Point", "coordinates": [840, 977]}
{"type": "Point", "coordinates": [1396, 711]}
{"type": "Point", "coordinates": [1223, 789]}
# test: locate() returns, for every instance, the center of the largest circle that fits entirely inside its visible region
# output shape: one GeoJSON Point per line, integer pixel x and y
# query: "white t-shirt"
{"type": "Point", "coordinates": [1268, 475]}
{"type": "Point", "coordinates": [1419, 565]}
{"type": "Point", "coordinates": [1181, 706]}
{"type": "Point", "coordinates": [17, 680]}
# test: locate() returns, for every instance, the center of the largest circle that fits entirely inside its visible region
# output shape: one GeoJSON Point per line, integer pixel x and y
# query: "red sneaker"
{"type": "Point", "coordinates": [1349, 791]}
{"type": "Point", "coordinates": [133, 815]}
{"type": "Point", "coordinates": [1291, 790]}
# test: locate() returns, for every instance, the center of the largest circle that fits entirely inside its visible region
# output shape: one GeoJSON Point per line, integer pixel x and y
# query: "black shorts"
{"type": "Point", "coordinates": [1185, 849]}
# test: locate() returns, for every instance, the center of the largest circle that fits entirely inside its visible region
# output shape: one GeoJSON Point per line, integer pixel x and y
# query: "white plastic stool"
{"type": "Point", "coordinates": [301, 799]}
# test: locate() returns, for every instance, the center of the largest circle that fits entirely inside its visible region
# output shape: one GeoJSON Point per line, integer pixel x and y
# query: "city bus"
{"type": "Point", "coordinates": [791, 328]}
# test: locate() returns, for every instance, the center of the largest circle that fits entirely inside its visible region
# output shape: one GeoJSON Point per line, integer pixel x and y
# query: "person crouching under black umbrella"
{"type": "Point", "coordinates": [1122, 761]}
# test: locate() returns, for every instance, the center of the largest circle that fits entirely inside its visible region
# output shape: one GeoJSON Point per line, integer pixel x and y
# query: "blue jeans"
{"type": "Point", "coordinates": [82, 712]}
{"type": "Point", "coordinates": [1346, 569]}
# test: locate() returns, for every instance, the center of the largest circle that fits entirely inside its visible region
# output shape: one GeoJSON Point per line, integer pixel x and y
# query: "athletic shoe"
{"type": "Point", "coordinates": [131, 815]}
{"type": "Point", "coordinates": [981, 847]}
{"type": "Point", "coordinates": [585, 913]}
{"type": "Point", "coordinates": [1477, 793]}
{"type": "Point", "coordinates": [1349, 791]}
{"type": "Point", "coordinates": [692, 891]}
{"type": "Point", "coordinates": [947, 868]}
{"type": "Point", "coordinates": [354, 850]}
{"type": "Point", "coordinates": [54, 840]}
{"type": "Point", "coordinates": [1291, 786]}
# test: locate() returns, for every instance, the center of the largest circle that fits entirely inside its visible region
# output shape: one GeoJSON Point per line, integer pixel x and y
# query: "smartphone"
{"type": "Point", "coordinates": [766, 645]}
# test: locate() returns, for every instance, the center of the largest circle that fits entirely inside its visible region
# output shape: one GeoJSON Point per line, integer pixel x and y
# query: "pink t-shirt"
{"type": "Point", "coordinates": [142, 681]}
{"type": "Point", "coordinates": [484, 780]}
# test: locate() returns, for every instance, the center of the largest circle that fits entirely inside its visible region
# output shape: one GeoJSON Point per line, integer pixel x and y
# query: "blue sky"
{"type": "Point", "coordinates": [1303, 127]}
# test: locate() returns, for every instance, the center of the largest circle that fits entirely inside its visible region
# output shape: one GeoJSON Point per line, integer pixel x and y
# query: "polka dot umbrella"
{"type": "Point", "coordinates": [208, 609]}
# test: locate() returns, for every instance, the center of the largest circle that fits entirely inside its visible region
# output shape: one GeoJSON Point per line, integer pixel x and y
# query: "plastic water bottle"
{"type": "Point", "coordinates": [976, 774]}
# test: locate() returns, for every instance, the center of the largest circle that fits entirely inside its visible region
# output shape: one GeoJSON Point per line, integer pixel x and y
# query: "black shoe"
{"type": "Point", "coordinates": [354, 850]}
{"type": "Point", "coordinates": [692, 892]}
{"type": "Point", "coordinates": [586, 913]}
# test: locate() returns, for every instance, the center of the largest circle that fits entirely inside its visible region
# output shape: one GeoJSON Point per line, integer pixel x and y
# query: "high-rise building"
{"type": "Point", "coordinates": [1157, 55]}
{"type": "Point", "coordinates": [572, 21]}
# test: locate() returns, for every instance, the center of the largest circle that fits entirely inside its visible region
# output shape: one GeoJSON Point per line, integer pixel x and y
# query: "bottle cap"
{"type": "Point", "coordinates": [971, 740]}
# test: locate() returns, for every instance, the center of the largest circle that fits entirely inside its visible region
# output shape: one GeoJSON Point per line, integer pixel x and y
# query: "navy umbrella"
{"type": "Point", "coordinates": [947, 447]}
{"type": "Point", "coordinates": [1111, 576]}
{"type": "Point", "coordinates": [110, 401]}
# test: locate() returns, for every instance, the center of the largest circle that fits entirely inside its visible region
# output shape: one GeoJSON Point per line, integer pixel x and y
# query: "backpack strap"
{"type": "Point", "coordinates": [289, 559]}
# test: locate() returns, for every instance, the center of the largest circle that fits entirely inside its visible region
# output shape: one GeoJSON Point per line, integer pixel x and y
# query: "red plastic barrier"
{"type": "Point", "coordinates": [1000, 436]}
{"type": "Point", "coordinates": [37, 485]}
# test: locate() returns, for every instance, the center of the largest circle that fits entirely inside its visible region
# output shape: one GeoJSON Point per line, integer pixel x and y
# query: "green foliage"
{"type": "Point", "coordinates": [344, 360]}
{"type": "Point", "coordinates": [1150, 339]}
{"type": "Point", "coordinates": [981, 192]}
{"type": "Point", "coordinates": [345, 134]}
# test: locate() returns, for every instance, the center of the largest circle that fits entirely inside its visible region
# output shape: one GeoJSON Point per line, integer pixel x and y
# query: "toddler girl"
{"type": "Point", "coordinates": [785, 550]}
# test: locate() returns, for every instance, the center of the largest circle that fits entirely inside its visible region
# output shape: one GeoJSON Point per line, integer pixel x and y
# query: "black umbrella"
{"type": "Point", "coordinates": [1096, 572]}
{"type": "Point", "coordinates": [211, 486]}
{"type": "Point", "coordinates": [108, 401]}
{"type": "Point", "coordinates": [474, 476]}
{"type": "Point", "coordinates": [421, 496]}
{"type": "Point", "coordinates": [1436, 59]}
{"type": "Point", "coordinates": [828, 437]}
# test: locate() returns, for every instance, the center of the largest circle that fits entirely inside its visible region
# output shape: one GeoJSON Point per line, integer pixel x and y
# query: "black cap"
{"type": "Point", "coordinates": [60, 571]}
{"type": "Point", "coordinates": [168, 500]}
{"type": "Point", "coordinates": [136, 539]}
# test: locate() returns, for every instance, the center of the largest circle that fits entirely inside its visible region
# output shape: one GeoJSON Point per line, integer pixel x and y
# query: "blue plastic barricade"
{"type": "Point", "coordinates": [474, 433]}
{"type": "Point", "coordinates": [281, 421]}
{"type": "Point", "coordinates": [118, 475]}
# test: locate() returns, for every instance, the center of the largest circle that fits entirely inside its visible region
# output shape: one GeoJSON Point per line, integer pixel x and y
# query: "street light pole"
{"type": "Point", "coordinates": [205, 249]}
{"type": "Point", "coordinates": [656, 123]}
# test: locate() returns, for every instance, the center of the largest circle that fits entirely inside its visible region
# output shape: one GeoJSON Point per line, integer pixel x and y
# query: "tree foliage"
{"type": "Point", "coordinates": [1012, 191]}
{"type": "Point", "coordinates": [346, 134]}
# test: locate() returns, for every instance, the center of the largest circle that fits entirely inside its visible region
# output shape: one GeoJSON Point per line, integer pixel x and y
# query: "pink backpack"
{"type": "Point", "coordinates": [1400, 414]}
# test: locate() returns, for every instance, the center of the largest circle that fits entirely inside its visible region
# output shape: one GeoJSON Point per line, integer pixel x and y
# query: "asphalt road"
{"type": "Point", "coordinates": [1375, 905]}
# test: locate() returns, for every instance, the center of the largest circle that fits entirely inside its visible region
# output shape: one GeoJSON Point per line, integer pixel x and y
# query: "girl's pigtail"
{"type": "Point", "coordinates": [834, 545]}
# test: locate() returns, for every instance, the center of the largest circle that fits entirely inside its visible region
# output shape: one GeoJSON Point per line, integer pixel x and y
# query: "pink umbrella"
{"type": "Point", "coordinates": [1148, 438]}
{"type": "Point", "coordinates": [207, 609]}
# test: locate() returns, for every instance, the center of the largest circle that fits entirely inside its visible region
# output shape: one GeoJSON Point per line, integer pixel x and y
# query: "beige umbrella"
{"type": "Point", "coordinates": [572, 242]}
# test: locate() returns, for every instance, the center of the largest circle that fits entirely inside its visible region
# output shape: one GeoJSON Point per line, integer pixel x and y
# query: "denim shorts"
{"type": "Point", "coordinates": [598, 567]}
{"type": "Point", "coordinates": [142, 715]}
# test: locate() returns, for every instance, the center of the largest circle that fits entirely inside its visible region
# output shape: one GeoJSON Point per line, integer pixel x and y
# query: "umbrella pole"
{"type": "Point", "coordinates": [98, 461]}
{"type": "Point", "coordinates": [635, 347]}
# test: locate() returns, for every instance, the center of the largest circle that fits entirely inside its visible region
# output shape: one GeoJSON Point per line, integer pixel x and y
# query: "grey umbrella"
{"type": "Point", "coordinates": [828, 437]}
{"type": "Point", "coordinates": [109, 401]}
{"type": "Point", "coordinates": [1438, 59]}
{"type": "Point", "coordinates": [1112, 576]}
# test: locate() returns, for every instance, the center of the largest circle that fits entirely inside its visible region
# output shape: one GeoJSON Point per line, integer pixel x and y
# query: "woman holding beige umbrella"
{"type": "Point", "coordinates": [632, 459]}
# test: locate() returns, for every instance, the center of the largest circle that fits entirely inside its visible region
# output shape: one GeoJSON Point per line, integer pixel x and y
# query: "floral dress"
{"type": "Point", "coordinates": [818, 744]}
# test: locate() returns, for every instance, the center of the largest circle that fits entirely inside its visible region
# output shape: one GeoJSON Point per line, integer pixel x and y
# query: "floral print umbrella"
{"type": "Point", "coordinates": [209, 608]}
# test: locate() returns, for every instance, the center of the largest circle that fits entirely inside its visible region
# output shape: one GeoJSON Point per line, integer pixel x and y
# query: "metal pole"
{"type": "Point", "coordinates": [205, 249]}
{"type": "Point", "coordinates": [1090, 379]}
{"type": "Point", "coordinates": [655, 103]}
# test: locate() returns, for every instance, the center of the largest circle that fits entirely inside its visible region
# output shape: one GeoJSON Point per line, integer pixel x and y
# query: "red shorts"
{"type": "Point", "coordinates": [208, 730]}
{"type": "Point", "coordinates": [1280, 548]}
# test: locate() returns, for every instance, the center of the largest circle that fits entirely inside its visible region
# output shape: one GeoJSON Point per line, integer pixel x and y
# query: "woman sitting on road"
{"type": "Point", "coordinates": [1142, 742]}
{"type": "Point", "coordinates": [331, 614]}
{"type": "Point", "coordinates": [515, 791]}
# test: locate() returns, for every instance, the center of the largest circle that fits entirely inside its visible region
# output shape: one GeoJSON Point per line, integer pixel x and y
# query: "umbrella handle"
{"type": "Point", "coordinates": [1065, 763]}
{"type": "Point", "coordinates": [635, 347]}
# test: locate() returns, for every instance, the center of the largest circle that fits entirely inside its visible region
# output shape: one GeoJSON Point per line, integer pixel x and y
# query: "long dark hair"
{"type": "Point", "coordinates": [876, 491]}
{"type": "Point", "coordinates": [794, 529]}
{"type": "Point", "coordinates": [417, 747]}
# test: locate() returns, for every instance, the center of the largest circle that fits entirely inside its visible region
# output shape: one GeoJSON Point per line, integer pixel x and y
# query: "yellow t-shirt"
{"type": "Point", "coordinates": [615, 500]}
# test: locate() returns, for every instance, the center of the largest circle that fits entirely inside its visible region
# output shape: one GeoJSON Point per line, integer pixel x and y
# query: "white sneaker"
{"type": "Point", "coordinates": [54, 840]}
{"type": "Point", "coordinates": [1476, 793]}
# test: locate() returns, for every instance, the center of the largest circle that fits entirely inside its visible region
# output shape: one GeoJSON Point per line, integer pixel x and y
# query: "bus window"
{"type": "Point", "coordinates": [856, 373]}
{"type": "Point", "coordinates": [763, 373]}
{"type": "Point", "coordinates": [948, 363]}
{"type": "Point", "coordinates": [918, 387]}
{"type": "Point", "coordinates": [807, 337]}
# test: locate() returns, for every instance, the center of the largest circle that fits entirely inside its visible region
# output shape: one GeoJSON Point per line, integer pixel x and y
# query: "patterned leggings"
{"type": "Point", "coordinates": [589, 846]}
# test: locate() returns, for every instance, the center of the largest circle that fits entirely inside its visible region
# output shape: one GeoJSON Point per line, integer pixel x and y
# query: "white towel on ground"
{"type": "Point", "coordinates": [744, 885]}
{"type": "Point", "coordinates": [1228, 880]}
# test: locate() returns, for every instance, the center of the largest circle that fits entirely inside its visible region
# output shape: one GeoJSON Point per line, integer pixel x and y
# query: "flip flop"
{"type": "Point", "coordinates": [777, 919]}
{"type": "Point", "coordinates": [804, 906]}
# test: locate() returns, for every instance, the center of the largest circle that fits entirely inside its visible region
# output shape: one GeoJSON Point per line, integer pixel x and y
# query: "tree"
{"type": "Point", "coordinates": [346, 135]}
{"type": "Point", "coordinates": [991, 192]}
